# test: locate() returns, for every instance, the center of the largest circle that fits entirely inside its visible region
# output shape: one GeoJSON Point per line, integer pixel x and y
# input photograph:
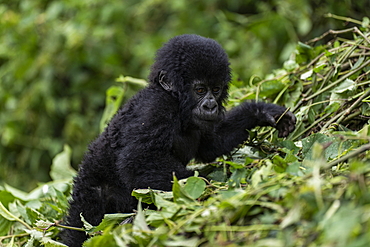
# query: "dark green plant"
{"type": "Point", "coordinates": [57, 58]}
{"type": "Point", "coordinates": [309, 190]}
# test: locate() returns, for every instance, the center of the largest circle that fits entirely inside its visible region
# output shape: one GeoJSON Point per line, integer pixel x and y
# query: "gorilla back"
{"type": "Point", "coordinates": [178, 117]}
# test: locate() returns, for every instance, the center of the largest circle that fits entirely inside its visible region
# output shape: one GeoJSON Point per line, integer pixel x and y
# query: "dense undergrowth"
{"type": "Point", "coordinates": [311, 189]}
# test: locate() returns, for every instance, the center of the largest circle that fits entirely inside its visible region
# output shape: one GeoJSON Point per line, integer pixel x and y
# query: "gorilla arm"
{"type": "Point", "coordinates": [232, 130]}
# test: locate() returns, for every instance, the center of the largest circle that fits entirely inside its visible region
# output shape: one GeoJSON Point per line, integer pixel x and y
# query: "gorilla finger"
{"type": "Point", "coordinates": [285, 131]}
{"type": "Point", "coordinates": [270, 120]}
{"type": "Point", "coordinates": [289, 116]}
{"type": "Point", "coordinates": [293, 118]}
{"type": "Point", "coordinates": [280, 131]}
{"type": "Point", "coordinates": [282, 134]}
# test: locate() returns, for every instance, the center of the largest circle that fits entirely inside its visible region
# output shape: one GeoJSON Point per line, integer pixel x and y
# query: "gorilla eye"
{"type": "Point", "coordinates": [216, 89]}
{"type": "Point", "coordinates": [201, 90]}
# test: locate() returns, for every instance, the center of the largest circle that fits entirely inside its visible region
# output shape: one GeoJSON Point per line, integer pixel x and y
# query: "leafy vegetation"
{"type": "Point", "coordinates": [311, 189]}
{"type": "Point", "coordinates": [58, 57]}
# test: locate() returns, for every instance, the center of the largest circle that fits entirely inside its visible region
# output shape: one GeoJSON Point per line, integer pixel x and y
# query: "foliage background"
{"type": "Point", "coordinates": [57, 58]}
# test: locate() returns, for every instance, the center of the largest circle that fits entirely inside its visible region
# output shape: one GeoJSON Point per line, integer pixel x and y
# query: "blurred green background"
{"type": "Point", "coordinates": [57, 58]}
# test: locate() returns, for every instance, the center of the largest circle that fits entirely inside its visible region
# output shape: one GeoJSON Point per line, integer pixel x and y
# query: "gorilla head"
{"type": "Point", "coordinates": [206, 76]}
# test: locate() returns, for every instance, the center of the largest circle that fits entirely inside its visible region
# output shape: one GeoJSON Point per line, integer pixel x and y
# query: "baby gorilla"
{"type": "Point", "coordinates": [178, 117]}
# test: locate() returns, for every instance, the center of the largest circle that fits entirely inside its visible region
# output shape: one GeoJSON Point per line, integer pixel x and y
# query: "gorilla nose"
{"type": "Point", "coordinates": [210, 108]}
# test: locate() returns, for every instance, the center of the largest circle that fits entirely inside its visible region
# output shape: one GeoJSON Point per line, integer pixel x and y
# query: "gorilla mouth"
{"type": "Point", "coordinates": [201, 116]}
{"type": "Point", "coordinates": [206, 117]}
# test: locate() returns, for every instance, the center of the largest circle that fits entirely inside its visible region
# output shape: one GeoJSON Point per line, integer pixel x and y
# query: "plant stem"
{"type": "Point", "coordinates": [65, 227]}
{"type": "Point", "coordinates": [14, 236]}
{"type": "Point", "coordinates": [338, 81]}
{"type": "Point", "coordinates": [342, 18]}
{"type": "Point", "coordinates": [347, 156]}
{"type": "Point", "coordinates": [343, 114]}
{"type": "Point", "coordinates": [314, 124]}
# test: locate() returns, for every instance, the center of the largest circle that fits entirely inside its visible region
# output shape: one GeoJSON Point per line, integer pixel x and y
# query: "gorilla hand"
{"type": "Point", "coordinates": [278, 117]}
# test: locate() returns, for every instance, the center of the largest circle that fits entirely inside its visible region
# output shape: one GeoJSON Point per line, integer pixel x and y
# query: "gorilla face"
{"type": "Point", "coordinates": [208, 108]}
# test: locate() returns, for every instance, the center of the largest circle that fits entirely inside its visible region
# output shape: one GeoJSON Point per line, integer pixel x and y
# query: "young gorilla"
{"type": "Point", "coordinates": [178, 117]}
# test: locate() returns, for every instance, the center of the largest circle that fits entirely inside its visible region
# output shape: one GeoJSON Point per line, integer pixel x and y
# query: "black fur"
{"type": "Point", "coordinates": [162, 128]}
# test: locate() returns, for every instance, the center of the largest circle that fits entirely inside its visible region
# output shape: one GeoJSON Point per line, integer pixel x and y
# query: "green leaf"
{"type": "Point", "coordinates": [114, 96]}
{"type": "Point", "coordinates": [7, 214]}
{"type": "Point", "coordinates": [179, 194]}
{"type": "Point", "coordinates": [261, 174]}
{"type": "Point", "coordinates": [365, 109]}
{"type": "Point", "coordinates": [280, 165]}
{"type": "Point", "coordinates": [295, 169]}
{"type": "Point", "coordinates": [145, 195]}
{"type": "Point", "coordinates": [293, 96]}
{"type": "Point", "coordinates": [306, 75]}
{"type": "Point", "coordinates": [365, 22]}
{"type": "Point", "coordinates": [290, 65]}
{"type": "Point", "coordinates": [17, 193]}
{"type": "Point", "coordinates": [219, 174]}
{"type": "Point", "coordinates": [293, 216]}
{"type": "Point", "coordinates": [269, 88]}
{"type": "Point", "coordinates": [11, 217]}
{"type": "Point", "coordinates": [358, 63]}
{"type": "Point", "coordinates": [106, 239]}
{"type": "Point", "coordinates": [6, 197]}
{"type": "Point", "coordinates": [194, 187]}
{"type": "Point", "coordinates": [48, 242]}
{"type": "Point", "coordinates": [43, 224]}
{"type": "Point", "coordinates": [182, 241]}
{"type": "Point", "coordinates": [304, 46]}
{"type": "Point", "coordinates": [30, 242]}
{"type": "Point", "coordinates": [87, 226]}
{"type": "Point", "coordinates": [61, 166]}
{"type": "Point", "coordinates": [234, 165]}
{"type": "Point", "coordinates": [4, 226]}
{"type": "Point", "coordinates": [332, 146]}
{"type": "Point", "coordinates": [25, 213]}
{"type": "Point", "coordinates": [161, 202]}
{"type": "Point", "coordinates": [311, 115]}
{"type": "Point", "coordinates": [139, 223]}
{"type": "Point", "coordinates": [346, 85]}
{"type": "Point", "coordinates": [112, 219]}
{"type": "Point", "coordinates": [333, 107]}
{"type": "Point", "coordinates": [237, 177]}
{"type": "Point", "coordinates": [132, 80]}
{"type": "Point", "coordinates": [319, 68]}
{"type": "Point", "coordinates": [343, 224]}
{"type": "Point", "coordinates": [289, 145]}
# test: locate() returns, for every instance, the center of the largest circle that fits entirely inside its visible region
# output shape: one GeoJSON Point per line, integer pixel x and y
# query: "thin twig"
{"type": "Point", "coordinates": [314, 124]}
{"type": "Point", "coordinates": [342, 115]}
{"type": "Point", "coordinates": [347, 156]}
{"type": "Point", "coordinates": [335, 32]}
{"type": "Point", "coordinates": [343, 18]}
{"type": "Point", "coordinates": [62, 226]}
{"type": "Point", "coordinates": [337, 81]}
{"type": "Point", "coordinates": [362, 35]}
{"type": "Point", "coordinates": [14, 236]}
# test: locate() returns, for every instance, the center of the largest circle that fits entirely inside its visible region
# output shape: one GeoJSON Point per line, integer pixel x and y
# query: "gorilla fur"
{"type": "Point", "coordinates": [178, 117]}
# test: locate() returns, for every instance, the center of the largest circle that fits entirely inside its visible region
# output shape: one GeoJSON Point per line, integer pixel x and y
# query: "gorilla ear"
{"type": "Point", "coordinates": [163, 81]}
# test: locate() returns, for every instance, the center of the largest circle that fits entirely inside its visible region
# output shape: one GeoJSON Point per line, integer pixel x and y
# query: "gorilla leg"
{"type": "Point", "coordinates": [86, 200]}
